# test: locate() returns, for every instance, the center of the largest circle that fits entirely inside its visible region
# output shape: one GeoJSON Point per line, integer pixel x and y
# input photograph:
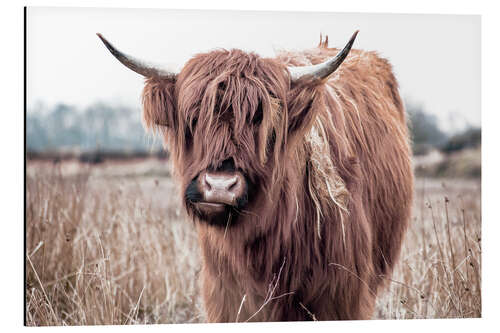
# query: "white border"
{"type": "Point", "coordinates": [12, 118]}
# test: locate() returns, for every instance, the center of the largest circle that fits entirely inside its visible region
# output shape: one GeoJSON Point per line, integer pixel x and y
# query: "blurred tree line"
{"type": "Point", "coordinates": [427, 135]}
{"type": "Point", "coordinates": [102, 127]}
{"type": "Point", "coordinates": [98, 127]}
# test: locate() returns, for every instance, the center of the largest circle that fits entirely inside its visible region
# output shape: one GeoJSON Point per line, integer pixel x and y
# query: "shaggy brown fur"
{"type": "Point", "coordinates": [331, 162]}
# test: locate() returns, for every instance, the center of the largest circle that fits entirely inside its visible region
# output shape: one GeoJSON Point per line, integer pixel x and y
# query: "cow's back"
{"type": "Point", "coordinates": [364, 120]}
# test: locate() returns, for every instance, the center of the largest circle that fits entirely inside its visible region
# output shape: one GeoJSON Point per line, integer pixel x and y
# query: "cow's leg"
{"type": "Point", "coordinates": [221, 302]}
{"type": "Point", "coordinates": [215, 299]}
{"type": "Point", "coordinates": [345, 304]}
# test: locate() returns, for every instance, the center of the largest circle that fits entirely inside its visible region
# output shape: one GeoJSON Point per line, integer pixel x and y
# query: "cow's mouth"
{"type": "Point", "coordinates": [213, 213]}
{"type": "Point", "coordinates": [209, 208]}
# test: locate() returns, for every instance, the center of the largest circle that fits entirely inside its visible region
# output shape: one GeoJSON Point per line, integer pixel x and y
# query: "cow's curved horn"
{"type": "Point", "coordinates": [323, 70]}
{"type": "Point", "coordinates": [144, 68]}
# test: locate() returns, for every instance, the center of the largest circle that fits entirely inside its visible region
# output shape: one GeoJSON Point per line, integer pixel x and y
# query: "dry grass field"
{"type": "Point", "coordinates": [110, 244]}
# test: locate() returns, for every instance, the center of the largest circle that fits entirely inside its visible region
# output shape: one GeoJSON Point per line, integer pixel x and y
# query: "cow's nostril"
{"type": "Point", "coordinates": [207, 183]}
{"type": "Point", "coordinates": [232, 185]}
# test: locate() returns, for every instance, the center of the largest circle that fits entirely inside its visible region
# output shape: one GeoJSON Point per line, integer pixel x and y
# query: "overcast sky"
{"type": "Point", "coordinates": [436, 58]}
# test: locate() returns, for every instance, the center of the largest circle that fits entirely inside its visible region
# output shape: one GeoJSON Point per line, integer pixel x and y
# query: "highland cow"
{"type": "Point", "coordinates": [296, 171]}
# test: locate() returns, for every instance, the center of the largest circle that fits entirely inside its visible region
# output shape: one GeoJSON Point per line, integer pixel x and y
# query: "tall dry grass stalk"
{"type": "Point", "coordinates": [439, 273]}
{"type": "Point", "coordinates": [98, 252]}
{"type": "Point", "coordinates": [117, 249]}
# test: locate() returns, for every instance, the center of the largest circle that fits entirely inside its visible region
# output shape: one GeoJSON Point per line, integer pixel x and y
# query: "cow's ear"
{"type": "Point", "coordinates": [304, 100]}
{"type": "Point", "coordinates": [158, 102]}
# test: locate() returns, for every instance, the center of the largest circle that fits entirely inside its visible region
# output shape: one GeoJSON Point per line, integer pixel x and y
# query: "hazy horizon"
{"type": "Point", "coordinates": [436, 58]}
